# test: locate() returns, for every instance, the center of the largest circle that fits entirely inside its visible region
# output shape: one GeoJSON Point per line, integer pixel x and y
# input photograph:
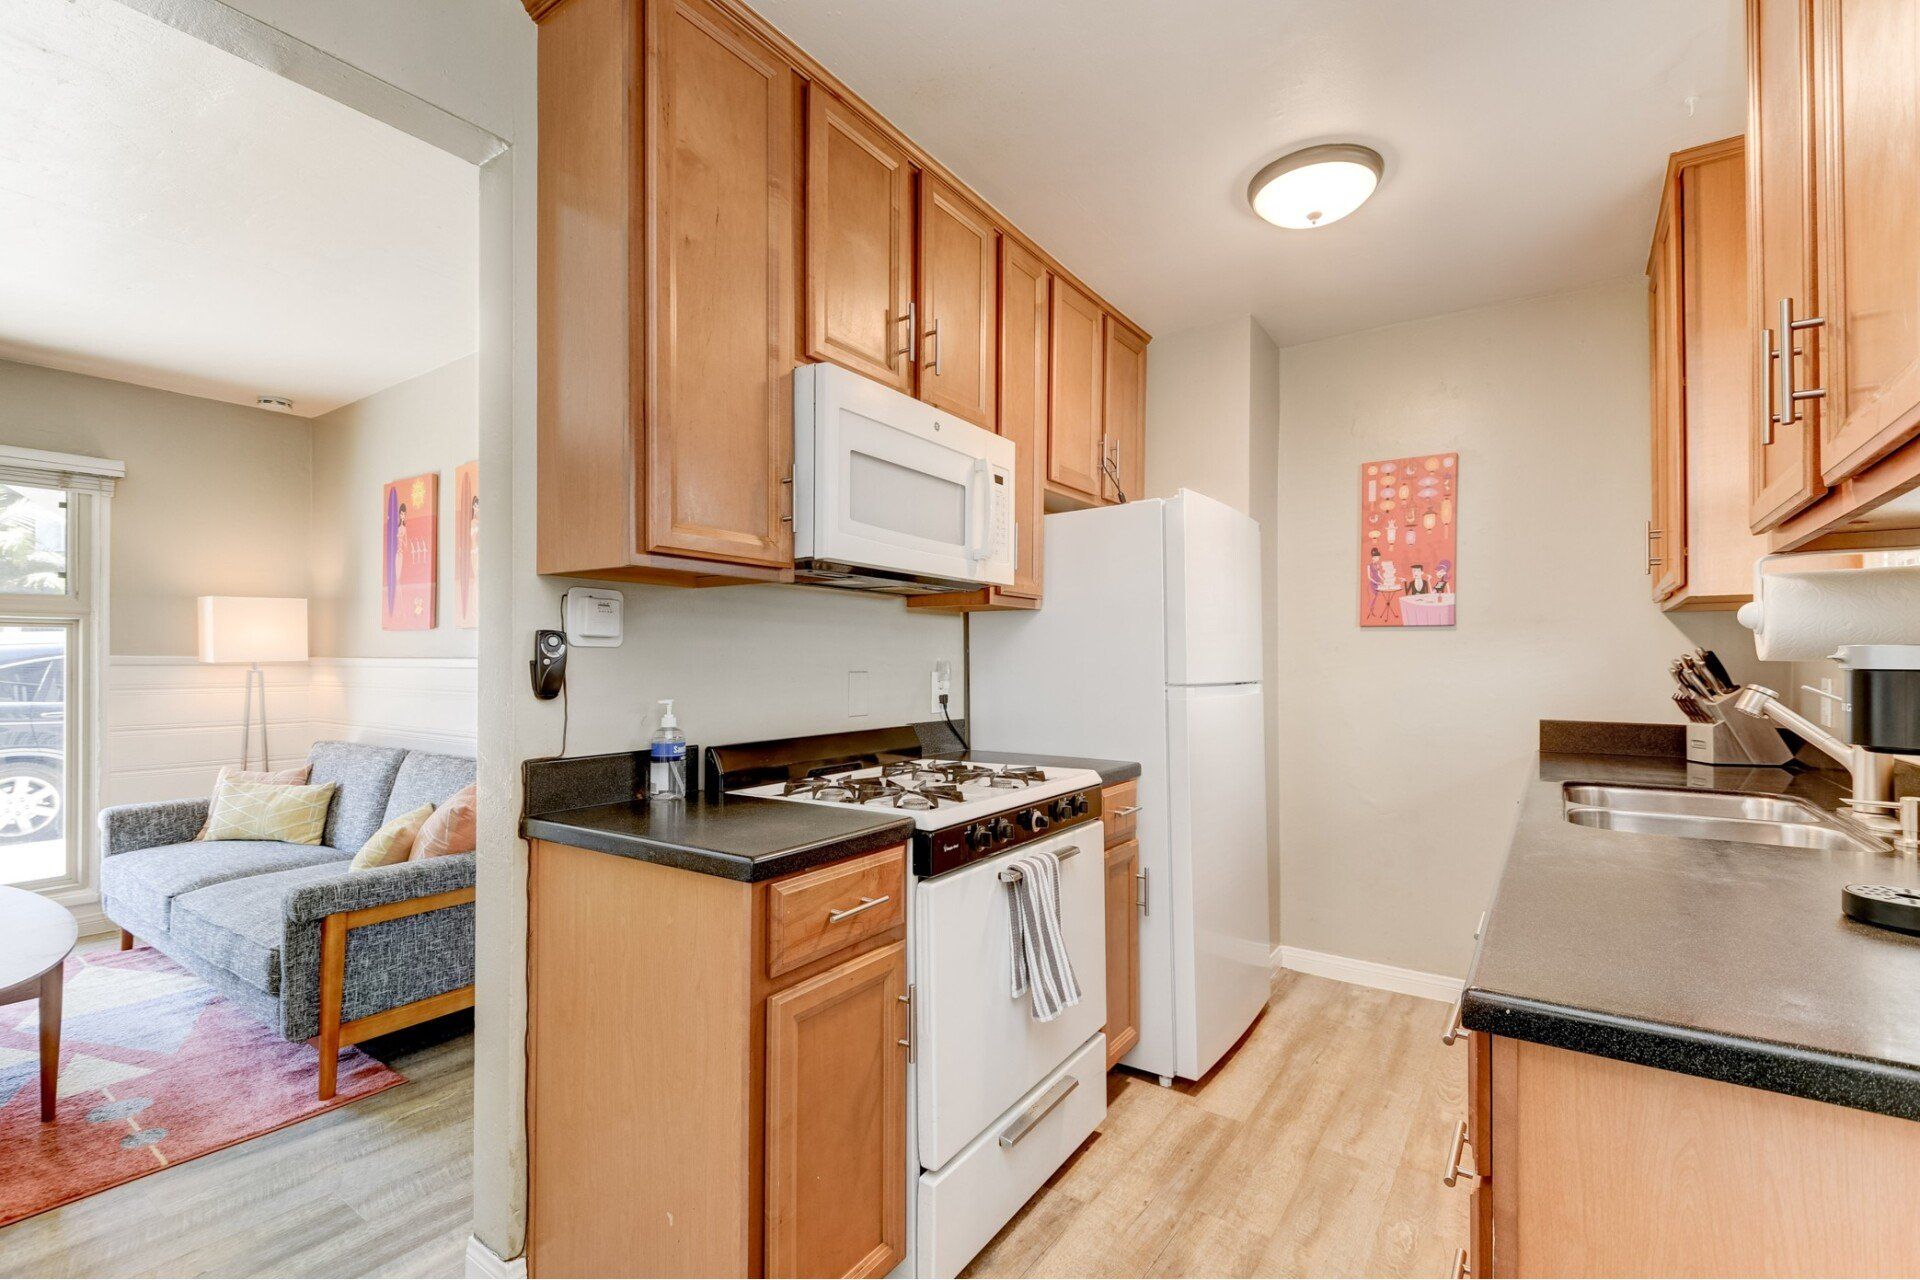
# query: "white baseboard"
{"type": "Point", "coordinates": [1368, 973]}
{"type": "Point", "coordinates": [484, 1264]}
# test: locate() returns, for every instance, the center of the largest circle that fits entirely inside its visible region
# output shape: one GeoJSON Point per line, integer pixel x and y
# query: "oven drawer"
{"type": "Point", "coordinates": [816, 913]}
{"type": "Point", "coordinates": [963, 1205]}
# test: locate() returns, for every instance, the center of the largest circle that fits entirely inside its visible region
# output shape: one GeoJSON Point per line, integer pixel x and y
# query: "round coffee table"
{"type": "Point", "coordinates": [35, 938]}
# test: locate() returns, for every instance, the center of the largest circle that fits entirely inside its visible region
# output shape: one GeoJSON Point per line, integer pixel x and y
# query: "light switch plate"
{"type": "Point", "coordinates": [594, 618]}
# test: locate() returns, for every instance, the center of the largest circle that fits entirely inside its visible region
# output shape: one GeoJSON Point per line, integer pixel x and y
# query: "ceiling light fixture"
{"type": "Point", "coordinates": [1315, 186]}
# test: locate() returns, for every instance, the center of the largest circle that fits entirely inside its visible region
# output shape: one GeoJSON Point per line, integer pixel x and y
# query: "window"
{"type": "Point", "coordinates": [53, 521]}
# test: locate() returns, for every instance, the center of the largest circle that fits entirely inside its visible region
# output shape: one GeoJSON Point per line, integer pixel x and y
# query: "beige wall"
{"type": "Point", "coordinates": [249, 474]}
{"type": "Point", "coordinates": [426, 424]}
{"type": "Point", "coordinates": [1404, 752]}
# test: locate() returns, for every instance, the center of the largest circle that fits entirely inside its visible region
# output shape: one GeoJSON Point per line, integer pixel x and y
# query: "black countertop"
{"type": "Point", "coordinates": [588, 802]}
{"type": "Point", "coordinates": [738, 839]}
{"type": "Point", "coordinates": [1725, 960]}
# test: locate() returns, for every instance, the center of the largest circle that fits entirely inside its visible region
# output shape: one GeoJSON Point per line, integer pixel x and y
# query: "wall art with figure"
{"type": "Point", "coordinates": [1409, 540]}
{"type": "Point", "coordinates": [466, 545]}
{"type": "Point", "coordinates": [410, 553]}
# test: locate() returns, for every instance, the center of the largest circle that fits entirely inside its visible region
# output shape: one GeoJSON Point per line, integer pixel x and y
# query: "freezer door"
{"type": "Point", "coordinates": [1213, 592]}
{"type": "Point", "coordinates": [1222, 948]}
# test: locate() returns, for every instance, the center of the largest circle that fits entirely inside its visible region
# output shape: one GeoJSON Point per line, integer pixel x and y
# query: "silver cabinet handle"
{"type": "Point", "coordinates": [1460, 1271]}
{"type": "Point", "coordinates": [1033, 1115]}
{"type": "Point", "coordinates": [866, 904]}
{"type": "Point", "coordinates": [1789, 398]}
{"type": "Point", "coordinates": [1126, 811]}
{"type": "Point", "coordinates": [1453, 1017]}
{"type": "Point", "coordinates": [933, 335]}
{"type": "Point", "coordinates": [1141, 876]}
{"type": "Point", "coordinates": [1480, 928]}
{"type": "Point", "coordinates": [912, 350]}
{"type": "Point", "coordinates": [907, 1043]}
{"type": "Point", "coordinates": [1454, 1171]}
{"type": "Point", "coordinates": [1652, 533]}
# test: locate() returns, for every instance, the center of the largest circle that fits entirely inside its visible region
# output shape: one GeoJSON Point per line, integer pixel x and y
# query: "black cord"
{"type": "Point", "coordinates": [953, 728]}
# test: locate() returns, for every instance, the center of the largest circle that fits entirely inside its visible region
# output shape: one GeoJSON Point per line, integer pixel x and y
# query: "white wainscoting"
{"type": "Point", "coordinates": [429, 704]}
{"type": "Point", "coordinates": [171, 722]}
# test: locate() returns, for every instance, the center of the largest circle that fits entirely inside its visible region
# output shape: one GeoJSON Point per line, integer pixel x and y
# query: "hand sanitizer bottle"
{"type": "Point", "coordinates": [667, 760]}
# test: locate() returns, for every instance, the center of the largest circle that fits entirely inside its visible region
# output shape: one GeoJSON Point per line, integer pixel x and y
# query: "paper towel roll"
{"type": "Point", "coordinates": [1800, 616]}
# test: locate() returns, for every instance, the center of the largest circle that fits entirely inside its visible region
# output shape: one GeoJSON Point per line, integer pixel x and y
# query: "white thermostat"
{"type": "Point", "coordinates": [593, 617]}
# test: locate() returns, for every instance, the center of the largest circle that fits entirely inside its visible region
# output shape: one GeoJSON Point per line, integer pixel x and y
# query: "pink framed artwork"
{"type": "Point", "coordinates": [465, 518]}
{"type": "Point", "coordinates": [410, 553]}
{"type": "Point", "coordinates": [1409, 549]}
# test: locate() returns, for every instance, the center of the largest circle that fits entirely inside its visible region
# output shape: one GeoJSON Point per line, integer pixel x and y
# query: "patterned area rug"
{"type": "Point", "coordinates": [155, 1069]}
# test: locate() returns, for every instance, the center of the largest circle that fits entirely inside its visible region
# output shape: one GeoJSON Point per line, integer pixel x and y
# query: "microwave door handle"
{"type": "Point", "coordinates": [978, 520]}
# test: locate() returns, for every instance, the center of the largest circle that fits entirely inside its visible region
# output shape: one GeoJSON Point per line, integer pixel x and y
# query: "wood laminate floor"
{"type": "Point", "coordinates": [1314, 1149]}
{"type": "Point", "coordinates": [381, 1187]}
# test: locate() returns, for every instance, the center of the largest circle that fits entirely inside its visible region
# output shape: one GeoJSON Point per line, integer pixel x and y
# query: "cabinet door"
{"type": "Point", "coordinates": [1077, 396]}
{"type": "Point", "coordinates": [1784, 473]}
{"type": "Point", "coordinates": [859, 244]}
{"type": "Point", "coordinates": [836, 1142]}
{"type": "Point", "coordinates": [1124, 414]}
{"type": "Point", "coordinates": [1667, 525]}
{"type": "Point", "coordinates": [959, 273]}
{"type": "Point", "coordinates": [1123, 950]}
{"type": "Point", "coordinates": [720, 156]}
{"type": "Point", "coordinates": [1868, 85]}
{"type": "Point", "coordinates": [1024, 285]}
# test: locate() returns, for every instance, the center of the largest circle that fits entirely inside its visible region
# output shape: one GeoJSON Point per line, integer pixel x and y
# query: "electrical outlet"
{"type": "Point", "coordinates": [942, 683]}
{"type": "Point", "coordinates": [856, 694]}
{"type": "Point", "coordinates": [1826, 704]}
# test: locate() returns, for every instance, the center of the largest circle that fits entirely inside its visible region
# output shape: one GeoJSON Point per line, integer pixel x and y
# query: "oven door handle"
{"type": "Point", "coordinates": [979, 512]}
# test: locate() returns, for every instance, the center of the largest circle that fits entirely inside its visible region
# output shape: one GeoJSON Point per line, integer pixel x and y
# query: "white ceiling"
{"type": "Point", "coordinates": [174, 216]}
{"type": "Point", "coordinates": [1524, 139]}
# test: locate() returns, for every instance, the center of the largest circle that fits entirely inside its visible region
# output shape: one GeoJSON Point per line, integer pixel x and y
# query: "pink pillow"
{"type": "Point", "coordinates": [451, 829]}
{"type": "Point", "coordinates": [284, 778]}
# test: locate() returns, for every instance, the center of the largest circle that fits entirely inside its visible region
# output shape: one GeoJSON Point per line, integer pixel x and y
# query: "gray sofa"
{"type": "Point", "coordinates": [253, 918]}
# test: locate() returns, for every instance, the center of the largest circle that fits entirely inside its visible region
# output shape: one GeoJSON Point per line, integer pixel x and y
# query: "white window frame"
{"type": "Point", "coordinates": [88, 484]}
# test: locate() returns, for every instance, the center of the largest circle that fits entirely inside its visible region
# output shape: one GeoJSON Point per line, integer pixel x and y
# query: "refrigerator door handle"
{"type": "Point", "coordinates": [1141, 876]}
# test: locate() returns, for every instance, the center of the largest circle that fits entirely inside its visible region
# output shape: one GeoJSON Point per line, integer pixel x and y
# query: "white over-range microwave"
{"type": "Point", "coordinates": [891, 494]}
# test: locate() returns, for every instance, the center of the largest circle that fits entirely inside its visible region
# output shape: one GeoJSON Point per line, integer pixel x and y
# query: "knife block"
{"type": "Point", "coordinates": [1734, 738]}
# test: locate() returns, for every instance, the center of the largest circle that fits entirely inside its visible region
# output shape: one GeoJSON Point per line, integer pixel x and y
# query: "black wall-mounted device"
{"type": "Point", "coordinates": [549, 665]}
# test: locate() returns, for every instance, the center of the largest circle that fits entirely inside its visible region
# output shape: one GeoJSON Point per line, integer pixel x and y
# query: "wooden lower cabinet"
{"type": "Point", "coordinates": [1119, 810]}
{"type": "Point", "coordinates": [699, 1104]}
{"type": "Point", "coordinates": [836, 1120]}
{"type": "Point", "coordinates": [1592, 1167]}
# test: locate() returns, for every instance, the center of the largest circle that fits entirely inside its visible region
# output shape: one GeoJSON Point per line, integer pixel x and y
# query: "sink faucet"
{"type": "Point", "coordinates": [1872, 773]}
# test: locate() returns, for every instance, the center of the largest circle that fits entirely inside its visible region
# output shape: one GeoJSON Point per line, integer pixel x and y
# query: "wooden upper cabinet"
{"type": "Point", "coordinates": [1124, 413]}
{"type": "Point", "coordinates": [1868, 218]}
{"type": "Point", "coordinates": [721, 131]}
{"type": "Point", "coordinates": [1666, 525]}
{"type": "Point", "coordinates": [1784, 455]}
{"type": "Point", "coordinates": [836, 1120]}
{"type": "Point", "coordinates": [859, 244]}
{"type": "Point", "coordinates": [667, 312]}
{"type": "Point", "coordinates": [958, 286]}
{"type": "Point", "coordinates": [1077, 398]}
{"type": "Point", "coordinates": [1025, 283]}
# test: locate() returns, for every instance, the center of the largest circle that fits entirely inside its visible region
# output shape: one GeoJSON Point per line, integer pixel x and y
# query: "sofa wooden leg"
{"type": "Point", "coordinates": [333, 972]}
{"type": "Point", "coordinates": [126, 940]}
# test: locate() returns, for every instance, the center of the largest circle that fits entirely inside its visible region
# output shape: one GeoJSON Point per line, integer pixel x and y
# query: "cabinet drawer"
{"type": "Point", "coordinates": [816, 913]}
{"type": "Point", "coordinates": [1120, 811]}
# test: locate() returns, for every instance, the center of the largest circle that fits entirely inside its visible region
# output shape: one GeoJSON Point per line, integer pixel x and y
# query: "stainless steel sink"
{"type": "Point", "coordinates": [1713, 815]}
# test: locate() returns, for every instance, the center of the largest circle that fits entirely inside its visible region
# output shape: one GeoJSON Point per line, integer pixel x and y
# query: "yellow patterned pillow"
{"type": "Point", "coordinates": [393, 842]}
{"type": "Point", "coordinates": [268, 811]}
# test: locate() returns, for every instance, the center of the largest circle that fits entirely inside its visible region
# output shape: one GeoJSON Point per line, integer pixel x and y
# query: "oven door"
{"type": "Point", "coordinates": [886, 482]}
{"type": "Point", "coordinates": [980, 1048]}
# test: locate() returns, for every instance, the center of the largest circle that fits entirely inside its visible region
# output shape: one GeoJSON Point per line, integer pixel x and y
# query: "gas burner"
{"type": "Point", "coordinates": [1013, 775]}
{"type": "Point", "coordinates": [929, 795]}
{"type": "Point", "coordinates": [813, 788]}
{"type": "Point", "coordinates": [867, 790]}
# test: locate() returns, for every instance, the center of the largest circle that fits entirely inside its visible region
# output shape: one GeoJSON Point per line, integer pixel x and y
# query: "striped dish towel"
{"type": "Point", "coordinates": [1040, 961]}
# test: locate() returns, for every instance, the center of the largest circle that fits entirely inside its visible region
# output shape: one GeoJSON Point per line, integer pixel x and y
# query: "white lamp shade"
{"type": "Point", "coordinates": [253, 629]}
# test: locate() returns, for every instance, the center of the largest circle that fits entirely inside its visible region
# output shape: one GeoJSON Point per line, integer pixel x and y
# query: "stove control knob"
{"type": "Point", "coordinates": [1033, 820]}
{"type": "Point", "coordinates": [978, 836]}
{"type": "Point", "coordinates": [1080, 806]}
{"type": "Point", "coordinates": [1062, 809]}
{"type": "Point", "coordinates": [1003, 828]}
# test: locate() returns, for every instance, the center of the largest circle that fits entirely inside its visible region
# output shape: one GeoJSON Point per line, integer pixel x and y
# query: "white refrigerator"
{"type": "Point", "coordinates": [1148, 647]}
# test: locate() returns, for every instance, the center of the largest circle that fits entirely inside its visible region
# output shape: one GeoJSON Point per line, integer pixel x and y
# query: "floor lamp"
{"type": "Point", "coordinates": [253, 630]}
